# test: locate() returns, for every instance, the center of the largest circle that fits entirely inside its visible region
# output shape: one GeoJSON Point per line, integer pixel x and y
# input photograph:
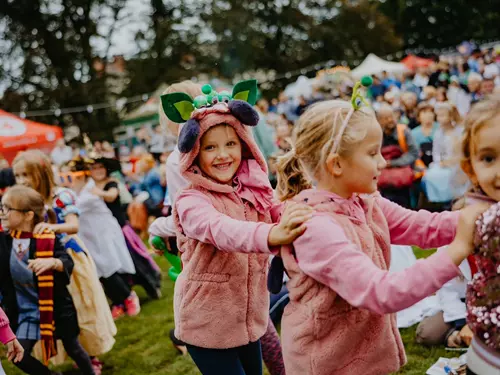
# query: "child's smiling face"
{"type": "Point", "coordinates": [220, 153]}
{"type": "Point", "coordinates": [485, 158]}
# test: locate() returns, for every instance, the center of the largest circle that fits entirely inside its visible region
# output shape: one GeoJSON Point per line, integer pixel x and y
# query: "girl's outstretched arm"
{"type": "Point", "coordinates": [421, 228]}
{"type": "Point", "coordinates": [326, 254]}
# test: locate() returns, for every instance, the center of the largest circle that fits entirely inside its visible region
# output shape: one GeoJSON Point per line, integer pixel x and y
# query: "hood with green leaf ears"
{"type": "Point", "coordinates": [180, 107]}
{"type": "Point", "coordinates": [206, 111]}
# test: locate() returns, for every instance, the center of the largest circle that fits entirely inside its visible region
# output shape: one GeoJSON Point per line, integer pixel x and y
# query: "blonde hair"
{"type": "Point", "coordinates": [452, 111]}
{"type": "Point", "coordinates": [478, 116]}
{"type": "Point", "coordinates": [27, 199]}
{"type": "Point", "coordinates": [39, 167]}
{"type": "Point", "coordinates": [190, 88]}
{"type": "Point", "coordinates": [313, 139]}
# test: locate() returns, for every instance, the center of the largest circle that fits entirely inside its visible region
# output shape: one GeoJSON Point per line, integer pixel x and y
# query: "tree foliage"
{"type": "Point", "coordinates": [438, 24]}
{"type": "Point", "coordinates": [50, 59]}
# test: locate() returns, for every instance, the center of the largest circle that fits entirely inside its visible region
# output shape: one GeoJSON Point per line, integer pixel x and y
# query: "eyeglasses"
{"type": "Point", "coordinates": [6, 209]}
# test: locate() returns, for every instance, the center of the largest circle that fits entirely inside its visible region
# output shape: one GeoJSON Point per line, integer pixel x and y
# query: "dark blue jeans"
{"type": "Point", "coordinates": [243, 360]}
{"type": "Point", "coordinates": [278, 304]}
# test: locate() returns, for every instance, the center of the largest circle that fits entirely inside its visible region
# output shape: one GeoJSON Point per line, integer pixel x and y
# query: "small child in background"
{"type": "Point", "coordinates": [481, 162]}
{"type": "Point", "coordinates": [441, 182]}
{"type": "Point", "coordinates": [15, 351]}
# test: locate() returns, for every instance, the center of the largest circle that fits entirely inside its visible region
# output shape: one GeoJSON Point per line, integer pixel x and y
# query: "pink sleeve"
{"type": "Point", "coordinates": [6, 334]}
{"type": "Point", "coordinates": [200, 220]}
{"type": "Point", "coordinates": [421, 228]}
{"type": "Point", "coordinates": [325, 254]}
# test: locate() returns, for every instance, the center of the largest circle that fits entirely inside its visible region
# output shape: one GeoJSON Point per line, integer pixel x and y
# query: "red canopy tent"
{"type": "Point", "coordinates": [17, 134]}
{"type": "Point", "coordinates": [413, 62]}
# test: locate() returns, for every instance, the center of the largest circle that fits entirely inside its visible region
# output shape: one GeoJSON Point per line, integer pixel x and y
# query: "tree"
{"type": "Point", "coordinates": [51, 60]}
{"type": "Point", "coordinates": [437, 24]}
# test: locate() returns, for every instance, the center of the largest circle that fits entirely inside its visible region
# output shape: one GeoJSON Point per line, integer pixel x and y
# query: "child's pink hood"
{"type": "Point", "coordinates": [251, 181]}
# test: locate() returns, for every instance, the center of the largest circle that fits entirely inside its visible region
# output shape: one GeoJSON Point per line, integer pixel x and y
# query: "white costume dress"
{"type": "Point", "coordinates": [102, 235]}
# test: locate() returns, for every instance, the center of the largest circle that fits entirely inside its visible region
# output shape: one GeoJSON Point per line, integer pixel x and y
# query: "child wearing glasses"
{"type": "Point", "coordinates": [35, 270]}
{"type": "Point", "coordinates": [97, 329]}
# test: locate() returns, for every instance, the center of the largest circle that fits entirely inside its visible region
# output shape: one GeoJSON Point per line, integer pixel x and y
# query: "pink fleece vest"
{"type": "Point", "coordinates": [321, 333]}
{"type": "Point", "coordinates": [221, 299]}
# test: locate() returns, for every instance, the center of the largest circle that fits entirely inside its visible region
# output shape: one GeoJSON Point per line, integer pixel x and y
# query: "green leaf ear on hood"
{"type": "Point", "coordinates": [246, 91]}
{"type": "Point", "coordinates": [178, 106]}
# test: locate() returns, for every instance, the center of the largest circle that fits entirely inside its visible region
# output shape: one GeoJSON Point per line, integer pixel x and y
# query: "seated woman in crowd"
{"type": "Point", "coordinates": [397, 178]}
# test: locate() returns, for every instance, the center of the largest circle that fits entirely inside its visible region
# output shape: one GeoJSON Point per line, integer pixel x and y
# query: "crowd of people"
{"type": "Point", "coordinates": [297, 181]}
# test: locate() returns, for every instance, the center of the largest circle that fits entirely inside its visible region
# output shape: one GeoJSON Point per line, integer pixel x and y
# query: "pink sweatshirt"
{"type": "Point", "coordinates": [339, 320]}
{"type": "Point", "coordinates": [6, 334]}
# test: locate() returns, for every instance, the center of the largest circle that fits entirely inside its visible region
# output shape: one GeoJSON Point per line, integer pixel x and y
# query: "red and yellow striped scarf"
{"type": "Point", "coordinates": [44, 249]}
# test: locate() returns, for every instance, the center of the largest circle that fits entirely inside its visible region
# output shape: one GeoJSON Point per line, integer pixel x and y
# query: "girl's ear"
{"type": "Point", "coordinates": [30, 216]}
{"type": "Point", "coordinates": [333, 165]}
{"type": "Point", "coordinates": [469, 171]}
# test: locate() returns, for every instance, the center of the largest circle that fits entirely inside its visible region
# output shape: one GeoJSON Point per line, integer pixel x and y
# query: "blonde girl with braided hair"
{"type": "Point", "coordinates": [340, 319]}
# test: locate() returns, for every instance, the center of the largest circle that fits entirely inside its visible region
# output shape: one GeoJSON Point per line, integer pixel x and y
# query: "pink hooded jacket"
{"type": "Point", "coordinates": [221, 299]}
{"type": "Point", "coordinates": [340, 319]}
{"type": "Point", "coordinates": [6, 334]}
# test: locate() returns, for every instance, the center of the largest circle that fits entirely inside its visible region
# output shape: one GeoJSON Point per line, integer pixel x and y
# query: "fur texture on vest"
{"type": "Point", "coordinates": [324, 335]}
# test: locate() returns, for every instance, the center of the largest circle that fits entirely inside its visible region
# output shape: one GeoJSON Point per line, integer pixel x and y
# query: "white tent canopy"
{"type": "Point", "coordinates": [375, 65]}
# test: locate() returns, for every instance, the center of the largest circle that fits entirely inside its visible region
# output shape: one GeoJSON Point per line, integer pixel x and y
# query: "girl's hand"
{"type": "Point", "coordinates": [291, 225]}
{"type": "Point", "coordinates": [41, 227]}
{"type": "Point", "coordinates": [157, 251]}
{"type": "Point", "coordinates": [467, 223]}
{"type": "Point", "coordinates": [463, 244]}
{"type": "Point", "coordinates": [96, 191]}
{"type": "Point", "coordinates": [39, 266]}
{"type": "Point", "coordinates": [454, 341]}
{"type": "Point", "coordinates": [466, 335]}
{"type": "Point", "coordinates": [15, 352]}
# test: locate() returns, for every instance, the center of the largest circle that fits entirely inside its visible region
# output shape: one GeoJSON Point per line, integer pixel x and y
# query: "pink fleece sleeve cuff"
{"type": "Point", "coordinates": [6, 334]}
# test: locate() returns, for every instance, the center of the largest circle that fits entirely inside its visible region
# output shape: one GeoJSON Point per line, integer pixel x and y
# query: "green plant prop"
{"type": "Point", "coordinates": [174, 271]}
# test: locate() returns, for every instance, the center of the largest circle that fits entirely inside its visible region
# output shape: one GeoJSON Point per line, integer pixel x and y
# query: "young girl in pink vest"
{"type": "Point", "coordinates": [225, 231]}
{"type": "Point", "coordinates": [481, 162]}
{"type": "Point", "coordinates": [340, 319]}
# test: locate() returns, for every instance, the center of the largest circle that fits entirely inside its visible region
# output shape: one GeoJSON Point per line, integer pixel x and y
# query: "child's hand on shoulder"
{"type": "Point", "coordinates": [291, 225]}
{"type": "Point", "coordinates": [463, 244]}
{"type": "Point", "coordinates": [42, 227]}
{"type": "Point", "coordinates": [467, 223]}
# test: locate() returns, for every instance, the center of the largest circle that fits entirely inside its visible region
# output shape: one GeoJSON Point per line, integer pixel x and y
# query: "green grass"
{"type": "Point", "coordinates": [143, 347]}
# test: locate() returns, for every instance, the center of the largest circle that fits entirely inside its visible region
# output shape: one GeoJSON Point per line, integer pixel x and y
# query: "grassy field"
{"type": "Point", "coordinates": [142, 345]}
